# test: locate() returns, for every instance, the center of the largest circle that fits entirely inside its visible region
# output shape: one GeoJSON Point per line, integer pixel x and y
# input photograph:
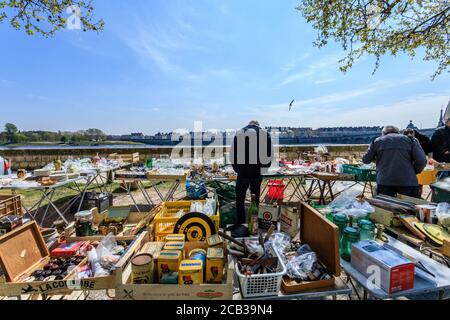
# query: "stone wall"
{"type": "Point", "coordinates": [37, 158]}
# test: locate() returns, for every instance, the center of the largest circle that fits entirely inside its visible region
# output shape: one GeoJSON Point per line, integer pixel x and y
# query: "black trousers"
{"type": "Point", "coordinates": [242, 184]}
{"type": "Point", "coordinates": [393, 191]}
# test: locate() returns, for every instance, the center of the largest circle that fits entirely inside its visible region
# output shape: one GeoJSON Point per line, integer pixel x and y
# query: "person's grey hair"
{"type": "Point", "coordinates": [390, 129]}
{"type": "Point", "coordinates": [254, 123]}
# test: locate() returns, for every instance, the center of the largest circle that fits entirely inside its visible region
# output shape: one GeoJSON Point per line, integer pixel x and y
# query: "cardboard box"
{"type": "Point", "coordinates": [396, 273]}
{"type": "Point", "coordinates": [323, 238]}
{"type": "Point", "coordinates": [289, 220]}
{"type": "Point", "coordinates": [268, 215]}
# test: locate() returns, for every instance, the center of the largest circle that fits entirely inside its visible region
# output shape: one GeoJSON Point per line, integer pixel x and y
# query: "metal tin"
{"type": "Point", "coordinates": [142, 267]}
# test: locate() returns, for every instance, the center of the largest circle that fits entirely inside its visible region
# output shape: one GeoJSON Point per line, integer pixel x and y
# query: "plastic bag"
{"type": "Point", "coordinates": [96, 267]}
{"type": "Point", "coordinates": [300, 266]}
{"type": "Point", "coordinates": [279, 241]}
{"type": "Point", "coordinates": [346, 199]}
{"type": "Point", "coordinates": [443, 214]}
{"type": "Point", "coordinates": [105, 249]}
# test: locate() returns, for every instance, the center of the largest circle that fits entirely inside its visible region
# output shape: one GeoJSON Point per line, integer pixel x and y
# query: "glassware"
{"type": "Point", "coordinates": [367, 229]}
{"type": "Point", "coordinates": [253, 217]}
{"type": "Point", "coordinates": [351, 236]}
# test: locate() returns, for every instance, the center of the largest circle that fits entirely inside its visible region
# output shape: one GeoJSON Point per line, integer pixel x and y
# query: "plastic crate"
{"type": "Point", "coordinates": [440, 194]}
{"type": "Point", "coordinates": [10, 205]}
{"type": "Point", "coordinates": [361, 175]}
{"type": "Point", "coordinates": [262, 285]}
{"type": "Point", "coordinates": [165, 219]}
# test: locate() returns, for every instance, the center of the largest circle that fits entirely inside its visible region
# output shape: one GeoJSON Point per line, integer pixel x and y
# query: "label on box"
{"type": "Point", "coordinates": [190, 272]}
{"type": "Point", "coordinates": [268, 216]}
{"type": "Point", "coordinates": [289, 221]}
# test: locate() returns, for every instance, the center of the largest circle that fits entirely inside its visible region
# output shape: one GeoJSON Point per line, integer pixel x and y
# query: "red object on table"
{"type": "Point", "coordinates": [276, 190]}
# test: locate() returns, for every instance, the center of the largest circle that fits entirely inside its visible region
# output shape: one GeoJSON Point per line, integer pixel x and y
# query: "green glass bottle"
{"type": "Point", "coordinates": [253, 217]}
{"type": "Point", "coordinates": [341, 221]}
{"type": "Point", "coordinates": [351, 236]}
{"type": "Point", "coordinates": [367, 229]}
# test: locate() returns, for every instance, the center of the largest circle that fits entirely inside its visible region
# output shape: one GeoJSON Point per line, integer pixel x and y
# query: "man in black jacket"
{"type": "Point", "coordinates": [251, 152]}
{"type": "Point", "coordinates": [441, 145]}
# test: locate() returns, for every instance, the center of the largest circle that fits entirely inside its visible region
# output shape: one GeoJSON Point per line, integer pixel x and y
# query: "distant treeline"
{"type": "Point", "coordinates": [12, 135]}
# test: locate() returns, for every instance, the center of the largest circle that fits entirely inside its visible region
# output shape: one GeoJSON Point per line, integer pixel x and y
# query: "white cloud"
{"type": "Point", "coordinates": [320, 67]}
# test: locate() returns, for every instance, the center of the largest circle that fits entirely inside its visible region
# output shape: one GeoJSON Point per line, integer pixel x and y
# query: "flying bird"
{"type": "Point", "coordinates": [290, 105]}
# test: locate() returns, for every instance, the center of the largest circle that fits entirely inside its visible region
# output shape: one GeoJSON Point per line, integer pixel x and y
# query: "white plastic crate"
{"type": "Point", "coordinates": [262, 285]}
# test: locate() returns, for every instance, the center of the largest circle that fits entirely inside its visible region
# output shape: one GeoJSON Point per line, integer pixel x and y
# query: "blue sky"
{"type": "Point", "coordinates": [160, 65]}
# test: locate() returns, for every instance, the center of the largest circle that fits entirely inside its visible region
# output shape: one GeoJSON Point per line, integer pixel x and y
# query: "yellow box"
{"type": "Point", "coordinates": [190, 272]}
{"type": "Point", "coordinates": [168, 262]}
{"type": "Point", "coordinates": [214, 265]}
{"type": "Point", "coordinates": [175, 245]}
{"type": "Point", "coordinates": [175, 238]}
{"type": "Point", "coordinates": [215, 241]}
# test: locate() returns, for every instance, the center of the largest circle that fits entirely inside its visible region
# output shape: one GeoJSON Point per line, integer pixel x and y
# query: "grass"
{"type": "Point", "coordinates": [63, 195]}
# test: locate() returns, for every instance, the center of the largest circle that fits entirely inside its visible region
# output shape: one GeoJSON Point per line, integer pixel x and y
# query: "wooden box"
{"type": "Point", "coordinates": [23, 251]}
{"type": "Point", "coordinates": [323, 238]}
{"type": "Point", "coordinates": [446, 248]}
{"type": "Point", "coordinates": [10, 205]}
{"type": "Point", "coordinates": [135, 221]}
{"type": "Point", "coordinates": [154, 175]}
{"type": "Point", "coordinates": [224, 291]}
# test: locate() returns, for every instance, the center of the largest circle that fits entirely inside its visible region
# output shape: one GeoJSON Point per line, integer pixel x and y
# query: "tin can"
{"type": "Point", "coordinates": [426, 213]}
{"type": "Point", "coordinates": [199, 255]}
{"type": "Point", "coordinates": [142, 269]}
{"type": "Point", "coordinates": [190, 272]}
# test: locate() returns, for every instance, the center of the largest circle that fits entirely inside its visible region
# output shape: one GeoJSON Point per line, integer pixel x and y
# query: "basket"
{"type": "Point", "coordinates": [262, 285]}
{"type": "Point", "coordinates": [10, 205]}
{"type": "Point", "coordinates": [165, 219]}
{"type": "Point", "coordinates": [361, 175]}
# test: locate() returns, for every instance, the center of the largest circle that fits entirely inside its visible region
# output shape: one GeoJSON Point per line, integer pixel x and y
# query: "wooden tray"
{"type": "Point", "coordinates": [207, 292]}
{"type": "Point", "coordinates": [26, 242]}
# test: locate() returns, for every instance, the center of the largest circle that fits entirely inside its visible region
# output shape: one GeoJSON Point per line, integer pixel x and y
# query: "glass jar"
{"type": "Point", "coordinates": [83, 223]}
{"type": "Point", "coordinates": [341, 221]}
{"type": "Point", "coordinates": [367, 229]}
{"type": "Point", "coordinates": [351, 236]}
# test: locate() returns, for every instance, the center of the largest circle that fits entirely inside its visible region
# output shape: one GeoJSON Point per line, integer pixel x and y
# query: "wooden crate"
{"type": "Point", "coordinates": [10, 205]}
{"type": "Point", "coordinates": [23, 251]}
{"type": "Point", "coordinates": [126, 157]}
{"type": "Point", "coordinates": [164, 221]}
{"type": "Point", "coordinates": [135, 221]}
{"type": "Point", "coordinates": [224, 291]}
{"type": "Point", "coordinates": [323, 238]}
{"type": "Point", "coordinates": [155, 176]}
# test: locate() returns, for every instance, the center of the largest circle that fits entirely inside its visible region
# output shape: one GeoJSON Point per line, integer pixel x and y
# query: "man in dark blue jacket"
{"type": "Point", "coordinates": [399, 159]}
{"type": "Point", "coordinates": [251, 152]}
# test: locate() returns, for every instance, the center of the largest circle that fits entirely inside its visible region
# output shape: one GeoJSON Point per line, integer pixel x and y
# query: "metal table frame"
{"type": "Point", "coordinates": [48, 193]}
{"type": "Point", "coordinates": [340, 288]}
